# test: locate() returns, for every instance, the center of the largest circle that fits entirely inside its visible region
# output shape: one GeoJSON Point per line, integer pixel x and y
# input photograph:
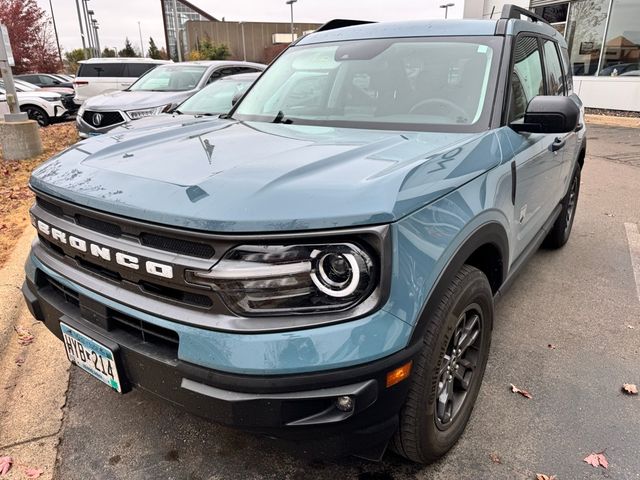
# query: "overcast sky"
{"type": "Point", "coordinates": [119, 18]}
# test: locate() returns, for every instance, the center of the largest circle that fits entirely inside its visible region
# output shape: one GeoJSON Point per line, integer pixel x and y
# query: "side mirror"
{"type": "Point", "coordinates": [549, 114]}
{"type": "Point", "coordinates": [235, 99]}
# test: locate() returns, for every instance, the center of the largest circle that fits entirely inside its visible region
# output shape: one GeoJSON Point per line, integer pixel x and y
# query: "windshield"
{"type": "Point", "coordinates": [170, 78]}
{"type": "Point", "coordinates": [216, 98]}
{"type": "Point", "coordinates": [410, 83]}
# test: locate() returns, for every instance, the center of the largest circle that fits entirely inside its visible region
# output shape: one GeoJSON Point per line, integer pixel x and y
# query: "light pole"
{"type": "Point", "coordinates": [291, 2]}
{"type": "Point", "coordinates": [141, 44]}
{"type": "Point", "coordinates": [95, 31]}
{"type": "Point", "coordinates": [84, 44]}
{"type": "Point", "coordinates": [85, 9]}
{"type": "Point", "coordinates": [55, 30]}
{"type": "Point", "coordinates": [446, 8]}
{"type": "Point", "coordinates": [244, 45]}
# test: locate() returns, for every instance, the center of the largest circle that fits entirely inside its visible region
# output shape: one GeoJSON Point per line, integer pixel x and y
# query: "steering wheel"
{"type": "Point", "coordinates": [447, 104]}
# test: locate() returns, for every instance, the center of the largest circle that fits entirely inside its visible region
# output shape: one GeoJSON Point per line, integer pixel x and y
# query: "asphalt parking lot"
{"type": "Point", "coordinates": [582, 300]}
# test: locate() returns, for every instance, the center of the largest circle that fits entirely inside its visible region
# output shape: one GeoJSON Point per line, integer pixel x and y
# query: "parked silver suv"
{"type": "Point", "coordinates": [157, 91]}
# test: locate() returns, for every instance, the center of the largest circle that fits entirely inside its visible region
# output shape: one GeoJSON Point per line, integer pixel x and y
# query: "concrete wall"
{"type": "Point", "coordinates": [257, 36]}
{"type": "Point", "coordinates": [621, 93]}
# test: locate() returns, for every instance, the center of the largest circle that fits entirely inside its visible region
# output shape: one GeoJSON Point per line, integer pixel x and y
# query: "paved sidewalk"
{"type": "Point", "coordinates": [33, 378]}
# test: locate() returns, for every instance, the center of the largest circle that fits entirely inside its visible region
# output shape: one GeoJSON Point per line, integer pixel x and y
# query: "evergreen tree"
{"type": "Point", "coordinates": [109, 52]}
{"type": "Point", "coordinates": [153, 51]}
{"type": "Point", "coordinates": [128, 50]}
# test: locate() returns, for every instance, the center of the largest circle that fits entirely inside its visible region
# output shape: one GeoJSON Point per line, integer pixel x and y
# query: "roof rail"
{"type": "Point", "coordinates": [341, 23]}
{"type": "Point", "coordinates": [512, 11]}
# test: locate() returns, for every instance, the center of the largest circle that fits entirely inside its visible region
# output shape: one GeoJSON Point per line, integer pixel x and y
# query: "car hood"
{"type": "Point", "coordinates": [227, 176]}
{"type": "Point", "coordinates": [126, 100]}
{"type": "Point", "coordinates": [49, 96]}
{"type": "Point", "coordinates": [164, 121]}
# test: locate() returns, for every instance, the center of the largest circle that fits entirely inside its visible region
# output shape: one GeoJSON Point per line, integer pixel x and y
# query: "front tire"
{"type": "Point", "coordinates": [448, 372]}
{"type": "Point", "coordinates": [37, 114]}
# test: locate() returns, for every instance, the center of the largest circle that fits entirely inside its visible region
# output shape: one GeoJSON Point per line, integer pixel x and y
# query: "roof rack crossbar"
{"type": "Point", "coordinates": [513, 11]}
{"type": "Point", "coordinates": [341, 23]}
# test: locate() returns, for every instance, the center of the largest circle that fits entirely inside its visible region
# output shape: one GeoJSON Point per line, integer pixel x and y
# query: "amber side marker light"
{"type": "Point", "coordinates": [399, 374]}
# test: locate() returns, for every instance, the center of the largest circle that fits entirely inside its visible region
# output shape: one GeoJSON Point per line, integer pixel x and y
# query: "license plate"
{"type": "Point", "coordinates": [91, 356]}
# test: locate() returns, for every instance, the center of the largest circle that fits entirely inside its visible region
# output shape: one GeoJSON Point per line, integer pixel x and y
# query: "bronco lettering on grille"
{"type": "Point", "coordinates": [104, 253]}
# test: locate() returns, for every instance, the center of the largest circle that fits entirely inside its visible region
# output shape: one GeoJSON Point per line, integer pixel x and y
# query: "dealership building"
{"type": "Point", "coordinates": [603, 38]}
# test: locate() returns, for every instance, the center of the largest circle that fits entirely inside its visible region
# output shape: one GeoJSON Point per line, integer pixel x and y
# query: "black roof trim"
{"type": "Point", "coordinates": [341, 23]}
{"type": "Point", "coordinates": [513, 11]}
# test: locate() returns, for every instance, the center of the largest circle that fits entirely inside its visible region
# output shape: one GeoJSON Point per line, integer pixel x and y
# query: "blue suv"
{"type": "Point", "coordinates": [321, 263]}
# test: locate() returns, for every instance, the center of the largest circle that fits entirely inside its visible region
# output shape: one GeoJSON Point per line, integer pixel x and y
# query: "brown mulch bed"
{"type": "Point", "coordinates": [15, 196]}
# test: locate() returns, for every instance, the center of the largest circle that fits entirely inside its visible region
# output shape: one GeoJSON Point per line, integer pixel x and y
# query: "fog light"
{"type": "Point", "coordinates": [344, 403]}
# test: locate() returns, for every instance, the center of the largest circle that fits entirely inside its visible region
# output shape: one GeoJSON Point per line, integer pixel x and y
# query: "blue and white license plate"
{"type": "Point", "coordinates": [91, 356]}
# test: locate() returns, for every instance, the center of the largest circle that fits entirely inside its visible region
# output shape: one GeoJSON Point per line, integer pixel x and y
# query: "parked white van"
{"type": "Point", "coordinates": [101, 75]}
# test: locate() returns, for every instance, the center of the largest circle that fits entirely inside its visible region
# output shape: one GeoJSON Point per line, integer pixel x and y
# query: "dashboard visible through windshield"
{"type": "Point", "coordinates": [396, 83]}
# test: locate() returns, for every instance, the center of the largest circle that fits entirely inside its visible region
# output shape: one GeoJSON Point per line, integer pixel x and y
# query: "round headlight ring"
{"type": "Point", "coordinates": [329, 287]}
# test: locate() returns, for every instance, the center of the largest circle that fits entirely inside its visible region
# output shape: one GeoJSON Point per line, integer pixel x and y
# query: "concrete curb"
{"type": "Point", "coordinates": [11, 278]}
{"type": "Point", "coordinates": [631, 122]}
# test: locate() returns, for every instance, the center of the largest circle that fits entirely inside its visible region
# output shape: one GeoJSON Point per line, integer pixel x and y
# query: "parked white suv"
{"type": "Point", "coordinates": [101, 75]}
{"type": "Point", "coordinates": [39, 105]}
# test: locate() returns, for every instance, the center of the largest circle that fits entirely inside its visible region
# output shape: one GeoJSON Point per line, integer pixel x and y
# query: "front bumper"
{"type": "Point", "coordinates": [293, 407]}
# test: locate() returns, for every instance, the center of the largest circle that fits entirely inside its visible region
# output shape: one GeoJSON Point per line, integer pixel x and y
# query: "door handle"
{"type": "Point", "coordinates": [557, 144]}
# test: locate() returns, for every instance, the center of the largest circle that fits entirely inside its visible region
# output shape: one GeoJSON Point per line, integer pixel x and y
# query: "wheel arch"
{"type": "Point", "coordinates": [487, 249]}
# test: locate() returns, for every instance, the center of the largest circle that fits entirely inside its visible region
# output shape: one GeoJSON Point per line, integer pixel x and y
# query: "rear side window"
{"type": "Point", "coordinates": [101, 70]}
{"type": "Point", "coordinates": [137, 69]}
{"type": "Point", "coordinates": [555, 79]}
{"type": "Point", "coordinates": [526, 77]}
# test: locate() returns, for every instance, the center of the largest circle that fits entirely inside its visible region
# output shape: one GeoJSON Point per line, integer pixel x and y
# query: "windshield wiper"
{"type": "Point", "coordinates": [280, 118]}
{"type": "Point", "coordinates": [177, 111]}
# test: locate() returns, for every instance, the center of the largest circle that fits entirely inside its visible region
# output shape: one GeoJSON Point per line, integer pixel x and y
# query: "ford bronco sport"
{"type": "Point", "coordinates": [321, 263]}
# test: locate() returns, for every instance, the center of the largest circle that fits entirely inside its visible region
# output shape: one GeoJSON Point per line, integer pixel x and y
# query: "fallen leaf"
{"type": "Point", "coordinates": [33, 472]}
{"type": "Point", "coordinates": [19, 360]}
{"type": "Point", "coordinates": [597, 460]}
{"type": "Point", "coordinates": [5, 465]}
{"type": "Point", "coordinates": [24, 336]}
{"type": "Point", "coordinates": [524, 393]}
{"type": "Point", "coordinates": [495, 458]}
{"type": "Point", "coordinates": [630, 388]}
{"type": "Point", "coordinates": [551, 346]}
{"type": "Point", "coordinates": [542, 476]}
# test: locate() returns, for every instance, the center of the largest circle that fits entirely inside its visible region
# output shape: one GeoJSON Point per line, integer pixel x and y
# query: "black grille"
{"type": "Point", "coordinates": [106, 118]}
{"type": "Point", "coordinates": [66, 294]}
{"type": "Point", "coordinates": [50, 207]}
{"type": "Point", "coordinates": [144, 331]}
{"type": "Point", "coordinates": [175, 245]}
{"type": "Point", "coordinates": [191, 298]}
{"type": "Point", "coordinates": [161, 242]}
{"type": "Point", "coordinates": [69, 104]}
{"type": "Point", "coordinates": [107, 228]}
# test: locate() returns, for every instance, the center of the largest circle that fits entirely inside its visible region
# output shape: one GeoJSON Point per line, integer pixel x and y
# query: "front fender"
{"type": "Point", "coordinates": [431, 245]}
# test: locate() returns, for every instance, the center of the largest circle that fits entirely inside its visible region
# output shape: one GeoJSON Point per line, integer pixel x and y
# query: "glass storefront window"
{"type": "Point", "coordinates": [585, 31]}
{"type": "Point", "coordinates": [622, 45]}
{"type": "Point", "coordinates": [555, 14]}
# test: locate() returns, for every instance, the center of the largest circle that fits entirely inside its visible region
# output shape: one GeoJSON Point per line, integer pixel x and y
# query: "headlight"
{"type": "Point", "coordinates": [285, 279]}
{"type": "Point", "coordinates": [55, 99]}
{"type": "Point", "coordinates": [145, 112]}
{"type": "Point", "coordinates": [80, 111]}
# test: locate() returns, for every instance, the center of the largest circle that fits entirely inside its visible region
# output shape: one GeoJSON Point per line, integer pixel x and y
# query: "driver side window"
{"type": "Point", "coordinates": [526, 76]}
